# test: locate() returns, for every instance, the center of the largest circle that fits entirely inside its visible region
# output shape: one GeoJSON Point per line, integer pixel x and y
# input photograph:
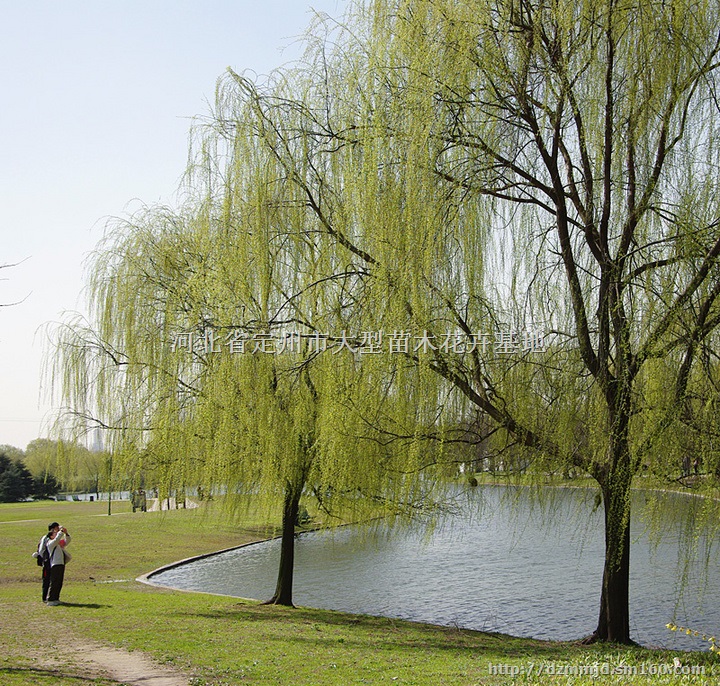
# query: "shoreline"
{"type": "Point", "coordinates": [147, 578]}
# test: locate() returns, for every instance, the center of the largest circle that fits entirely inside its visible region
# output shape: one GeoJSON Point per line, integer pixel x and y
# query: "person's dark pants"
{"type": "Point", "coordinates": [57, 574]}
{"type": "Point", "coordinates": [45, 581]}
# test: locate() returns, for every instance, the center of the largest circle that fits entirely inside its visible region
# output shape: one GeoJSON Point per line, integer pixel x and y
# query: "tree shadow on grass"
{"type": "Point", "coordinates": [410, 636]}
{"type": "Point", "coordinates": [323, 628]}
{"type": "Point", "coordinates": [39, 675]}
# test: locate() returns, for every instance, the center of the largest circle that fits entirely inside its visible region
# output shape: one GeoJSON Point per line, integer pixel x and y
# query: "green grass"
{"type": "Point", "coordinates": [220, 640]}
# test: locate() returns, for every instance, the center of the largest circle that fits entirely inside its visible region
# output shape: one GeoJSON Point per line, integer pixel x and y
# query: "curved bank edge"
{"type": "Point", "coordinates": [147, 578]}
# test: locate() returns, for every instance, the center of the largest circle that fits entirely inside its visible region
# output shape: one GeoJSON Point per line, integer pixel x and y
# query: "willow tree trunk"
{"type": "Point", "coordinates": [615, 483]}
{"type": "Point", "coordinates": [284, 587]}
{"type": "Point", "coordinates": [614, 620]}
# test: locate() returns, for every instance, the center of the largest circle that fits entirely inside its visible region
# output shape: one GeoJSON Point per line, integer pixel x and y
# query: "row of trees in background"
{"type": "Point", "coordinates": [438, 171]}
{"type": "Point", "coordinates": [46, 465]}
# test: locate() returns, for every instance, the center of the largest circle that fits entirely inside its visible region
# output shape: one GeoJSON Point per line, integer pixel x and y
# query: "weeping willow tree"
{"type": "Point", "coordinates": [224, 351]}
{"type": "Point", "coordinates": [542, 165]}
{"type": "Point", "coordinates": [503, 170]}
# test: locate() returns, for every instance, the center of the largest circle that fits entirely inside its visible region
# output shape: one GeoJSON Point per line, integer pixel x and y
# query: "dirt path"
{"type": "Point", "coordinates": [125, 667]}
{"type": "Point", "coordinates": [51, 646]}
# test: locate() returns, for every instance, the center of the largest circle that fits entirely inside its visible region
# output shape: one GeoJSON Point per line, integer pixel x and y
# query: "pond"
{"type": "Point", "coordinates": [503, 562]}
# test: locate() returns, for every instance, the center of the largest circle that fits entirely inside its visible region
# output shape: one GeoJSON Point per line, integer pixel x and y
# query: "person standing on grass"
{"type": "Point", "coordinates": [44, 561]}
{"type": "Point", "coordinates": [54, 570]}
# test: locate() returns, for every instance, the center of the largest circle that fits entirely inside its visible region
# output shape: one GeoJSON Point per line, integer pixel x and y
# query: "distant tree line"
{"type": "Point", "coordinates": [46, 466]}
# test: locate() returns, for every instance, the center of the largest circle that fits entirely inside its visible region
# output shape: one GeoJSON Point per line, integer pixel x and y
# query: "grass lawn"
{"type": "Point", "coordinates": [221, 641]}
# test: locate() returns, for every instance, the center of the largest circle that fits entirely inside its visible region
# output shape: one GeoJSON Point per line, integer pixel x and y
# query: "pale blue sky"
{"type": "Point", "coordinates": [97, 101]}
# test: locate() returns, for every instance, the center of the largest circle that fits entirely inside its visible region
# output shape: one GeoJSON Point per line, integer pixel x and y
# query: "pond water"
{"type": "Point", "coordinates": [503, 563]}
